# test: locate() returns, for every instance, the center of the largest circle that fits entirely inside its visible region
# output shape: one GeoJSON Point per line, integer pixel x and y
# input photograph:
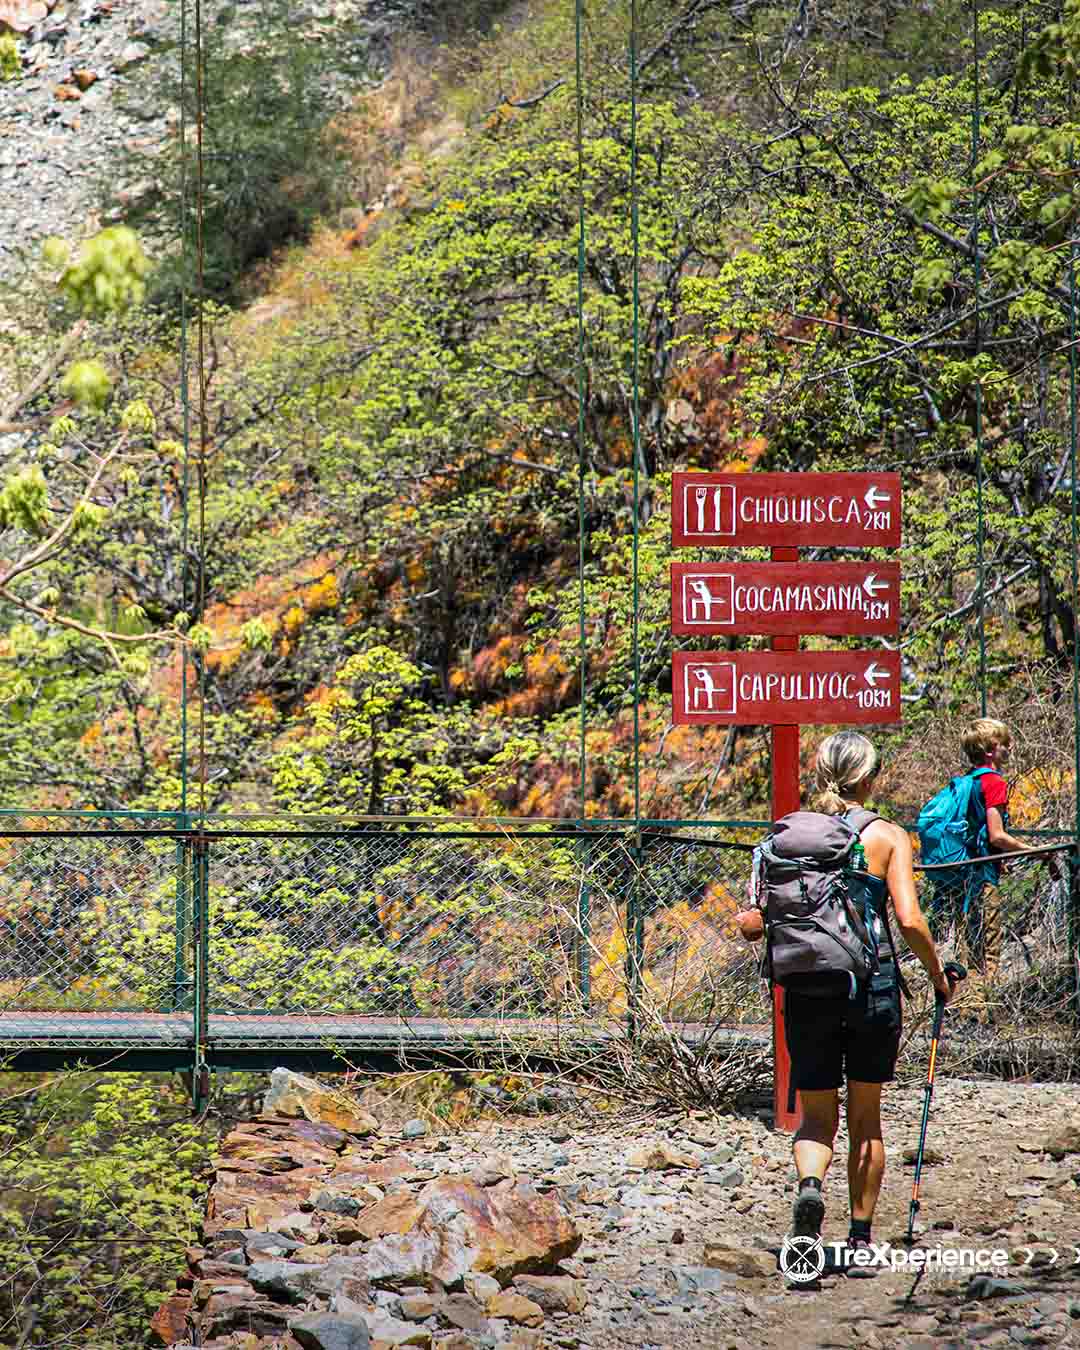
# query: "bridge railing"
{"type": "Point", "coordinates": [217, 936]}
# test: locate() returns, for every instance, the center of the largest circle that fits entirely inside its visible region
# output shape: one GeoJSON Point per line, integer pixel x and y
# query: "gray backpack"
{"type": "Point", "coordinates": [820, 918]}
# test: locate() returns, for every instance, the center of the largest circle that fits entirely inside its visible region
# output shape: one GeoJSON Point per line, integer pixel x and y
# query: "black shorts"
{"type": "Point", "coordinates": [836, 1036]}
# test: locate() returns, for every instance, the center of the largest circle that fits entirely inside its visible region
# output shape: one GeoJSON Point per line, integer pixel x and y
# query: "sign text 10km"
{"type": "Point", "coordinates": [784, 688]}
{"type": "Point", "coordinates": [740, 510]}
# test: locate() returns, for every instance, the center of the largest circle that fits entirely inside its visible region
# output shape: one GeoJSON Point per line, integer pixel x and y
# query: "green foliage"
{"type": "Point", "coordinates": [24, 501]}
{"type": "Point", "coordinates": [88, 383]}
{"type": "Point", "coordinates": [108, 273]}
{"type": "Point", "coordinates": [10, 57]}
{"type": "Point", "coordinates": [100, 1196]}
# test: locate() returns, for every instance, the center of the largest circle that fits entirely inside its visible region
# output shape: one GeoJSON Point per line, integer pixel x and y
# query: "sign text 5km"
{"type": "Point", "coordinates": [844, 510]}
{"type": "Point", "coordinates": [754, 688]}
{"type": "Point", "coordinates": [785, 598]}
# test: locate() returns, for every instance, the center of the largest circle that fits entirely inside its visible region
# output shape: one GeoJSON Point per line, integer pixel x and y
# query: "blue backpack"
{"type": "Point", "coordinates": [952, 824]}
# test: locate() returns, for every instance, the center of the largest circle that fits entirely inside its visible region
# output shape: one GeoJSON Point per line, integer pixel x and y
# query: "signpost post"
{"type": "Point", "coordinates": [783, 599]}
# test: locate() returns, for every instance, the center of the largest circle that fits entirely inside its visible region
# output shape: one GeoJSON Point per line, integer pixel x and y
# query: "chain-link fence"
{"type": "Point", "coordinates": [217, 937]}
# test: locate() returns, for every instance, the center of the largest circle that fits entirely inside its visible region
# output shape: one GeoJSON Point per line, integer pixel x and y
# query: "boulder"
{"type": "Point", "coordinates": [462, 1310]}
{"type": "Point", "coordinates": [169, 1324]}
{"type": "Point", "coordinates": [516, 1308]}
{"type": "Point", "coordinates": [1063, 1141]}
{"type": "Point", "coordinates": [739, 1260]}
{"type": "Point", "coordinates": [554, 1293]}
{"type": "Point", "coordinates": [21, 15]}
{"type": "Point", "coordinates": [510, 1228]}
{"type": "Point", "coordinates": [294, 1094]}
{"type": "Point", "coordinates": [397, 1213]}
{"type": "Point", "coordinates": [330, 1331]}
{"type": "Point", "coordinates": [661, 1156]}
{"type": "Point", "coordinates": [390, 1331]}
{"type": "Point", "coordinates": [290, 1281]}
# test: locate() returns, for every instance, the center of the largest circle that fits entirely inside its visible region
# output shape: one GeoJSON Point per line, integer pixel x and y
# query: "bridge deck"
{"type": "Point", "coordinates": [248, 1040]}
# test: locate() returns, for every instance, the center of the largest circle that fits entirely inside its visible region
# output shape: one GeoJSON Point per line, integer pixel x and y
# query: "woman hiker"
{"type": "Point", "coordinates": [830, 1035]}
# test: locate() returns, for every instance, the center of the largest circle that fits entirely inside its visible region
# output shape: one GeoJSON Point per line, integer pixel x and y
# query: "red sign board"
{"type": "Point", "coordinates": [740, 510]}
{"type": "Point", "coordinates": [748, 688]}
{"type": "Point", "coordinates": [785, 598]}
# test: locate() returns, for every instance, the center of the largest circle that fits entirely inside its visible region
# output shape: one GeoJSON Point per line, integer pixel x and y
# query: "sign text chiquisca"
{"type": "Point", "coordinates": [796, 510]}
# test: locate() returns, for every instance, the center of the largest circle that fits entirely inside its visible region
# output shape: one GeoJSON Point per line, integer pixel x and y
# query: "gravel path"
{"type": "Point", "coordinates": [646, 1229]}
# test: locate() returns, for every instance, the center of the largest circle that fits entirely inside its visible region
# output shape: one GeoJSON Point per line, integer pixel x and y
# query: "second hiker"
{"type": "Point", "coordinates": [842, 1013]}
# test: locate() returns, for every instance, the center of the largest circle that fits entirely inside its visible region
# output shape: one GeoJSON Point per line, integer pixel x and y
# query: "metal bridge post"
{"type": "Point", "coordinates": [1073, 922]}
{"type": "Point", "coordinates": [635, 941]}
{"type": "Point", "coordinates": [200, 1070]}
{"type": "Point", "coordinates": [182, 990]}
{"type": "Point", "coordinates": [583, 922]}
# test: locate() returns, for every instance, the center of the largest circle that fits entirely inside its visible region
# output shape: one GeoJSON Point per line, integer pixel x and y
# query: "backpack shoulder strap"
{"type": "Point", "coordinates": [859, 817]}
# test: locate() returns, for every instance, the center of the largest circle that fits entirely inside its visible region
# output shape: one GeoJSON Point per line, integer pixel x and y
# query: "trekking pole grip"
{"type": "Point", "coordinates": [954, 973]}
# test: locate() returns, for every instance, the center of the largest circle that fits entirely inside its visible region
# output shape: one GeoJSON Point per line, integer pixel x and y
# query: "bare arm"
{"type": "Point", "coordinates": [1000, 839]}
{"type": "Point", "coordinates": [909, 917]}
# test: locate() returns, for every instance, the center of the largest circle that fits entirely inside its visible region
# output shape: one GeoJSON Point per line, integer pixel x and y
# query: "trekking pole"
{"type": "Point", "coordinates": [954, 973]}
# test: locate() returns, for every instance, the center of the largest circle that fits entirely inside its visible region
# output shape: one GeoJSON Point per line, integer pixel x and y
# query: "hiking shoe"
{"type": "Point", "coordinates": [850, 1269]}
{"type": "Point", "coordinates": [807, 1213]}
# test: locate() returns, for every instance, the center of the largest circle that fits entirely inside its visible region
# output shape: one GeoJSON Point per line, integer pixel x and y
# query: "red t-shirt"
{"type": "Point", "coordinates": [994, 789]}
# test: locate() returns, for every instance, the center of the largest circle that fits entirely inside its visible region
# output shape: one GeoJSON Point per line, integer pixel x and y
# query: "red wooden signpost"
{"type": "Point", "coordinates": [783, 599]}
{"type": "Point", "coordinates": [786, 510]}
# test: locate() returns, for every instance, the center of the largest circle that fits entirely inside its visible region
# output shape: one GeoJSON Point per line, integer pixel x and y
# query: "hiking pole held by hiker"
{"type": "Point", "coordinates": [954, 973]}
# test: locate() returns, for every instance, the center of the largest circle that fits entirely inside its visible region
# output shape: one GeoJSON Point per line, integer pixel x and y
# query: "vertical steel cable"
{"type": "Point", "coordinates": [636, 925]}
{"type": "Point", "coordinates": [185, 402]}
{"type": "Point", "coordinates": [976, 117]}
{"type": "Point", "coordinates": [200, 98]}
{"type": "Point", "coordinates": [583, 921]}
{"type": "Point", "coordinates": [581, 386]}
{"type": "Point", "coordinates": [1074, 515]}
{"type": "Point", "coordinates": [636, 395]}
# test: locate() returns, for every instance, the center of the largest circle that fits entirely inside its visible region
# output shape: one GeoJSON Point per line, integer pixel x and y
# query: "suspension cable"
{"type": "Point", "coordinates": [1074, 515]}
{"type": "Point", "coordinates": [185, 405]}
{"type": "Point", "coordinates": [635, 396]}
{"type": "Point", "coordinates": [581, 389]}
{"type": "Point", "coordinates": [976, 117]}
{"type": "Point", "coordinates": [200, 99]}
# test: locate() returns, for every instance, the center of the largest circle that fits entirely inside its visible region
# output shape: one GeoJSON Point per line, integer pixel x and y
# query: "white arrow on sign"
{"type": "Point", "coordinates": [875, 498]}
{"type": "Point", "coordinates": [873, 673]}
{"type": "Point", "coordinates": [871, 585]}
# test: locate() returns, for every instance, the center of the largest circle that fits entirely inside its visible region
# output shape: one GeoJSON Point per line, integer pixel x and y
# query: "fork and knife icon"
{"type": "Point", "coordinates": [701, 496]}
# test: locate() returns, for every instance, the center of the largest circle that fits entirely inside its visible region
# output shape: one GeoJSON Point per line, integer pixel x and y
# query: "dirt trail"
{"type": "Point", "coordinates": [990, 1185]}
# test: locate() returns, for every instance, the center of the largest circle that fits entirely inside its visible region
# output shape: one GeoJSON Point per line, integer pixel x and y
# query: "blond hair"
{"type": "Point", "coordinates": [843, 762]}
{"type": "Point", "coordinates": [981, 737]}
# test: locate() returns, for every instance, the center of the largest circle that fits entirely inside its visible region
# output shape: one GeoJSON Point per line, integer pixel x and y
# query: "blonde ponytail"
{"type": "Point", "coordinates": [843, 762]}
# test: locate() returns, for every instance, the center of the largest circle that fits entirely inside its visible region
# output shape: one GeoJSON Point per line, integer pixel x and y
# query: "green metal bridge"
{"type": "Point", "coordinates": [137, 941]}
